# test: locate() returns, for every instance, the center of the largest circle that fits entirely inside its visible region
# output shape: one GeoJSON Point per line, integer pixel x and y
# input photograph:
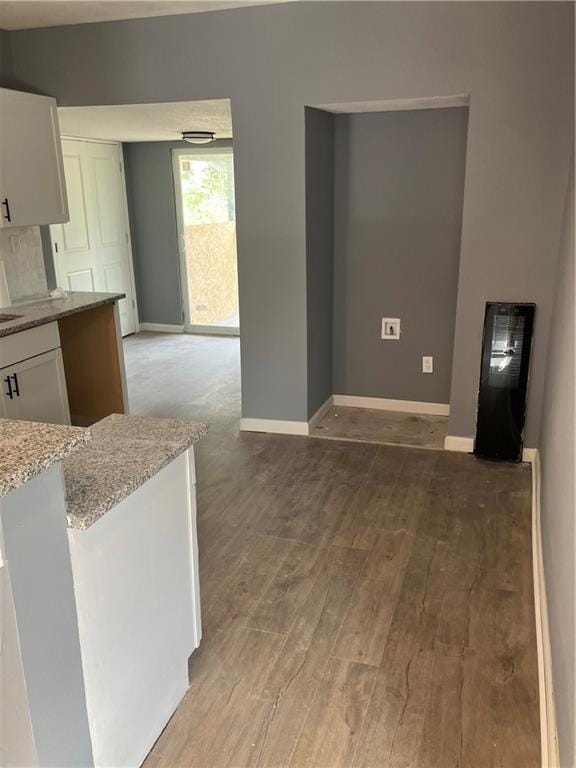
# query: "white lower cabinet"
{"type": "Point", "coordinates": [33, 388]}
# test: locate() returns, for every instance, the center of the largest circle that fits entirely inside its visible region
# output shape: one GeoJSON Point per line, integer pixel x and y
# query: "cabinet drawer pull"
{"type": "Point", "coordinates": [6, 205]}
{"type": "Point", "coordinates": [9, 394]}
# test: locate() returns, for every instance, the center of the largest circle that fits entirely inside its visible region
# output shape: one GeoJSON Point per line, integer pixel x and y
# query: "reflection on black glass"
{"type": "Point", "coordinates": [506, 350]}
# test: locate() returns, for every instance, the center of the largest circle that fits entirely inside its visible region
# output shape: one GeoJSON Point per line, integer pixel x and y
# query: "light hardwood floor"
{"type": "Point", "coordinates": [365, 606]}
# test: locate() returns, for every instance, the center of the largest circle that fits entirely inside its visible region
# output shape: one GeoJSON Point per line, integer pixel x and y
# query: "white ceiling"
{"type": "Point", "coordinates": [29, 14]}
{"type": "Point", "coordinates": [147, 122]}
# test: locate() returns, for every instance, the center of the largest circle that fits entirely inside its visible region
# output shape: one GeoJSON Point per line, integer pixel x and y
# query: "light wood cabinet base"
{"type": "Point", "coordinates": [93, 364]}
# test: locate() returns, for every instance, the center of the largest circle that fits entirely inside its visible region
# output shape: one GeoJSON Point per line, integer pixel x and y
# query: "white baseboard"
{"type": "Point", "coordinates": [212, 330]}
{"type": "Point", "coordinates": [548, 732]}
{"type": "Point", "coordinates": [161, 328]}
{"type": "Point", "coordinates": [466, 445]}
{"type": "Point", "coordinates": [320, 413]}
{"type": "Point", "coordinates": [461, 444]}
{"type": "Point", "coordinates": [530, 455]}
{"type": "Point", "coordinates": [279, 427]}
{"type": "Point", "coordinates": [385, 404]}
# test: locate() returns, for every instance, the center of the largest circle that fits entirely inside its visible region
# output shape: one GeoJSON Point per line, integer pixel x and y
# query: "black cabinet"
{"type": "Point", "coordinates": [504, 380]}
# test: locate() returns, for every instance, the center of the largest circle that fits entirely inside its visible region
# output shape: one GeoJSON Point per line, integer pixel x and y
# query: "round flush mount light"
{"type": "Point", "coordinates": [198, 137]}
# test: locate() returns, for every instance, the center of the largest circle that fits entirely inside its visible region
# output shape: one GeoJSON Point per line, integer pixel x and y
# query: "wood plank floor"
{"type": "Point", "coordinates": [365, 606]}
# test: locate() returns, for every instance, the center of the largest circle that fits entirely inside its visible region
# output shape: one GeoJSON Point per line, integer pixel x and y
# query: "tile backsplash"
{"type": "Point", "coordinates": [21, 252]}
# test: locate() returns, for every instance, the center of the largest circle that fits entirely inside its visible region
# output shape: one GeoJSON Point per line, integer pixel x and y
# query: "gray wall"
{"type": "Point", "coordinates": [153, 228]}
{"type": "Point", "coordinates": [319, 254]}
{"type": "Point", "coordinates": [48, 256]}
{"type": "Point", "coordinates": [512, 58]}
{"type": "Point", "coordinates": [6, 71]}
{"type": "Point", "coordinates": [557, 494]}
{"type": "Point", "coordinates": [399, 185]}
{"type": "Point", "coordinates": [35, 539]}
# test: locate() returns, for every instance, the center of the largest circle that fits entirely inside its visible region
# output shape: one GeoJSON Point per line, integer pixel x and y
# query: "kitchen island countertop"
{"type": "Point", "coordinates": [28, 448]}
{"type": "Point", "coordinates": [123, 453]}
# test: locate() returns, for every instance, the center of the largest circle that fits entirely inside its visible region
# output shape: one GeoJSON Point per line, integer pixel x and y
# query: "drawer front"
{"type": "Point", "coordinates": [25, 344]}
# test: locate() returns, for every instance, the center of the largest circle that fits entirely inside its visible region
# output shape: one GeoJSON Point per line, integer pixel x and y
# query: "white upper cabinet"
{"type": "Point", "coordinates": [32, 184]}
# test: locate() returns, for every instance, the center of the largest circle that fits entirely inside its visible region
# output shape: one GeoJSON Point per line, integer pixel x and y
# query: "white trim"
{"type": "Point", "coordinates": [183, 270]}
{"type": "Point", "coordinates": [128, 224]}
{"type": "Point", "coordinates": [384, 404]}
{"type": "Point", "coordinates": [529, 455]}
{"type": "Point", "coordinates": [212, 330]}
{"type": "Point", "coordinates": [461, 444]}
{"type": "Point", "coordinates": [274, 426]}
{"type": "Point", "coordinates": [205, 149]}
{"type": "Point", "coordinates": [466, 445]}
{"type": "Point", "coordinates": [393, 105]}
{"type": "Point", "coordinates": [548, 732]}
{"type": "Point", "coordinates": [161, 328]}
{"type": "Point", "coordinates": [320, 413]}
{"type": "Point", "coordinates": [121, 361]}
{"type": "Point", "coordinates": [90, 141]}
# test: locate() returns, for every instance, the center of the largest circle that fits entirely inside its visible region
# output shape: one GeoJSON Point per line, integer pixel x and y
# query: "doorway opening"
{"type": "Point", "coordinates": [120, 173]}
{"type": "Point", "coordinates": [391, 241]}
{"type": "Point", "coordinates": [206, 216]}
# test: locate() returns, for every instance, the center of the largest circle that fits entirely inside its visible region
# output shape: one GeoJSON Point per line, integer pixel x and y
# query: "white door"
{"type": "Point", "coordinates": [92, 251]}
{"type": "Point", "coordinates": [35, 390]}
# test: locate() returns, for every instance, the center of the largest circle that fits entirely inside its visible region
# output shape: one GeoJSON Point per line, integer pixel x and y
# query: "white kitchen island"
{"type": "Point", "coordinates": [131, 509]}
{"type": "Point", "coordinates": [128, 566]}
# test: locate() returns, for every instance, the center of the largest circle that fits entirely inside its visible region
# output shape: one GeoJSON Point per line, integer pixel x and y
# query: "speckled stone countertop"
{"type": "Point", "coordinates": [124, 452]}
{"type": "Point", "coordinates": [28, 448]}
{"type": "Point", "coordinates": [33, 313]}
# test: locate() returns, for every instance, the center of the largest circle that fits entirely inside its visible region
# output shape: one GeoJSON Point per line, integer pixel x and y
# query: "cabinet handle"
{"type": "Point", "coordinates": [6, 205]}
{"type": "Point", "coordinates": [16, 387]}
{"type": "Point", "coordinates": [9, 394]}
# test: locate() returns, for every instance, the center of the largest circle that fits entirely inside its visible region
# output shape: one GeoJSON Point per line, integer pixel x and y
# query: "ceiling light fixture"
{"type": "Point", "coordinates": [198, 137]}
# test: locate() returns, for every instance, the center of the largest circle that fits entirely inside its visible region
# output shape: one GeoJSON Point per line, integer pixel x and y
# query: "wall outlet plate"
{"type": "Point", "coordinates": [427, 364]}
{"type": "Point", "coordinates": [390, 328]}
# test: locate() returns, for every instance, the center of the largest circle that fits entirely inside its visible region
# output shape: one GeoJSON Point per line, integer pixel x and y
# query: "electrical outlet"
{"type": "Point", "coordinates": [428, 364]}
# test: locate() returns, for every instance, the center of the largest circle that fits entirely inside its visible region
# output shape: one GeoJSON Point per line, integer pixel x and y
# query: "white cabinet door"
{"type": "Point", "coordinates": [92, 251]}
{"type": "Point", "coordinates": [32, 186]}
{"type": "Point", "coordinates": [35, 390]}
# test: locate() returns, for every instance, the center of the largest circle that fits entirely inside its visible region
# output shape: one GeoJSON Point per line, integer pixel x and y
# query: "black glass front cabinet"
{"type": "Point", "coordinates": [504, 380]}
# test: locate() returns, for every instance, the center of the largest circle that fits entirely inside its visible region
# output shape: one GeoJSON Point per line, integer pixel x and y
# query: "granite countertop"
{"type": "Point", "coordinates": [28, 448]}
{"type": "Point", "coordinates": [46, 310]}
{"type": "Point", "coordinates": [123, 453]}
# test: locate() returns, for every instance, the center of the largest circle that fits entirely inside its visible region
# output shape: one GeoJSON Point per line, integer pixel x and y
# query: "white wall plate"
{"type": "Point", "coordinates": [390, 328]}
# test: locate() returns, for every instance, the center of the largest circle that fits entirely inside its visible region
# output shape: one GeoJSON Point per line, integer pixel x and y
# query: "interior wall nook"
{"type": "Point", "coordinates": [399, 186]}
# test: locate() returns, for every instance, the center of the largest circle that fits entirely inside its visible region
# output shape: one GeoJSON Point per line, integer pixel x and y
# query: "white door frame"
{"type": "Point", "coordinates": [212, 330]}
{"type": "Point", "coordinates": [126, 222]}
